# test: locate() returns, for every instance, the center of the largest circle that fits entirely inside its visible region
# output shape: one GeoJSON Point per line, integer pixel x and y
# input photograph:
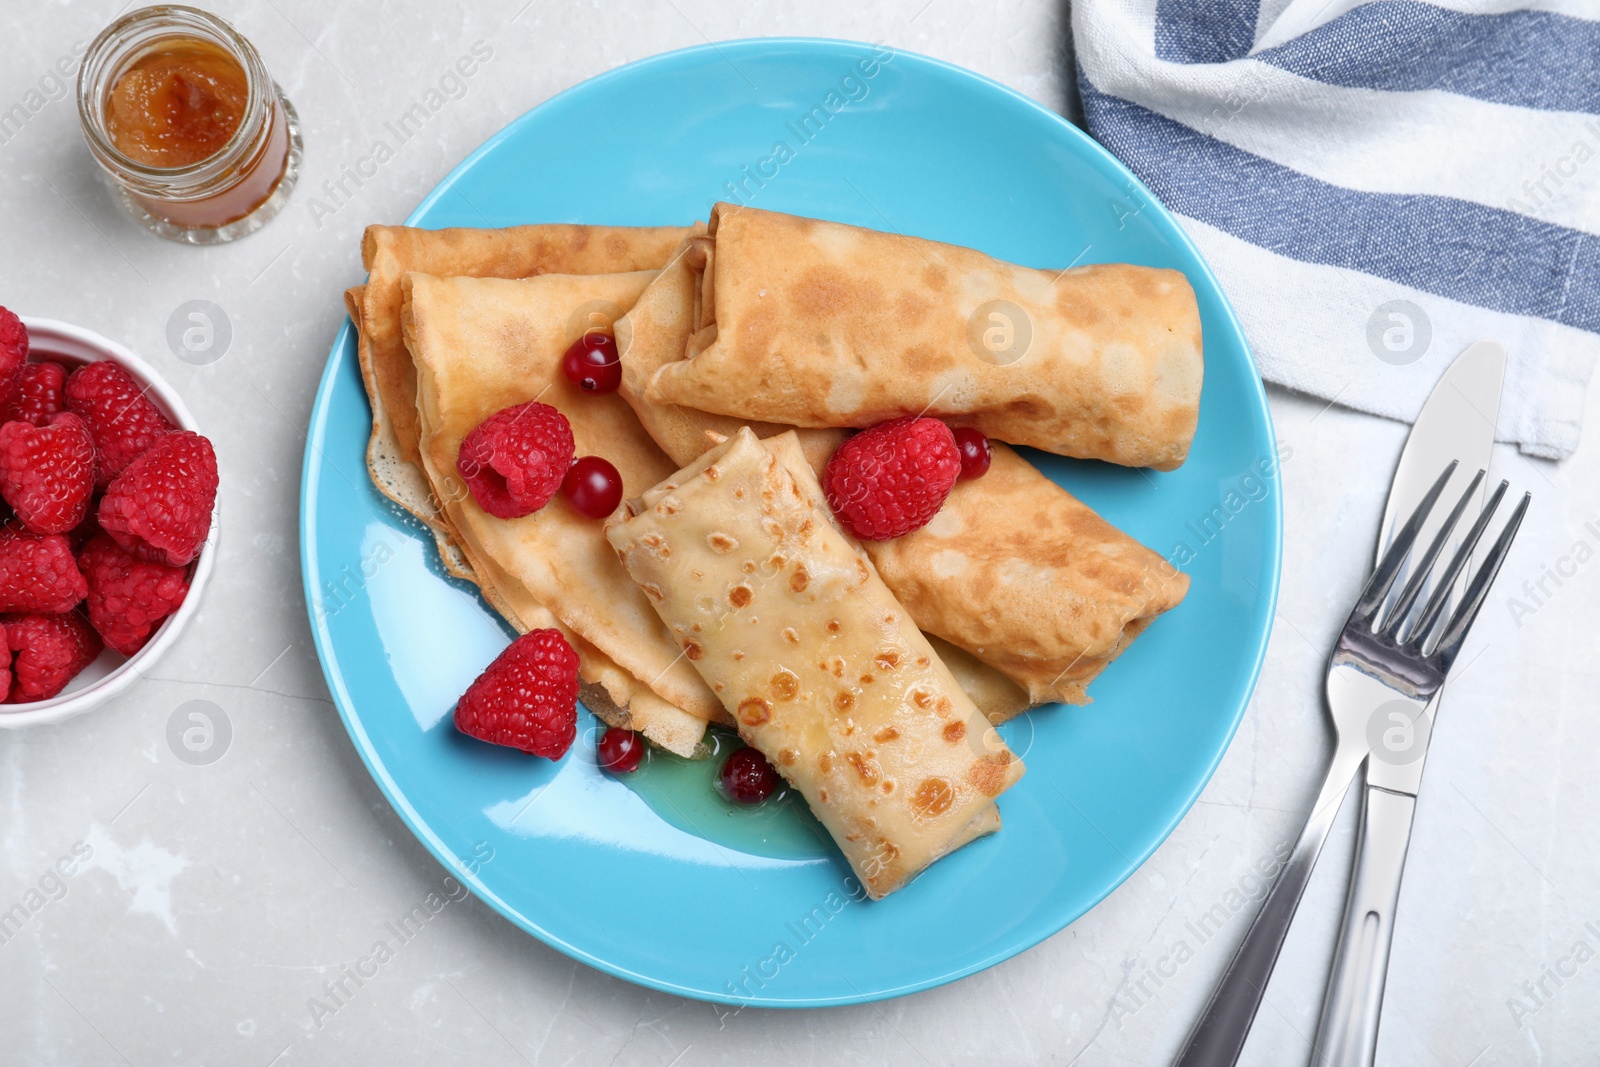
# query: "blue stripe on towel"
{"type": "Point", "coordinates": [1478, 255]}
{"type": "Point", "coordinates": [1536, 59]}
{"type": "Point", "coordinates": [1204, 31]}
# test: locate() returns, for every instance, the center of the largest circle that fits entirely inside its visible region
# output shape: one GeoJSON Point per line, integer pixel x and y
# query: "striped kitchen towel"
{"type": "Point", "coordinates": [1377, 184]}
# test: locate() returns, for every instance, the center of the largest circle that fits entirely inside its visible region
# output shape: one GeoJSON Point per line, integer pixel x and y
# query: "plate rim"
{"type": "Point", "coordinates": [310, 479]}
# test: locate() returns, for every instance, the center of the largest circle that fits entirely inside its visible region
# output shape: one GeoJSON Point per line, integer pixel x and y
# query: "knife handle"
{"type": "Point", "coordinates": [1347, 1036]}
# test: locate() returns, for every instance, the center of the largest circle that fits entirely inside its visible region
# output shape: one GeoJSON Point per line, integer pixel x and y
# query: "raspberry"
{"type": "Point", "coordinates": [159, 508]}
{"type": "Point", "coordinates": [527, 698]}
{"type": "Point", "coordinates": [13, 354]}
{"type": "Point", "coordinates": [80, 534]}
{"type": "Point", "coordinates": [128, 597]}
{"type": "Point", "coordinates": [38, 573]}
{"type": "Point", "coordinates": [891, 479]}
{"type": "Point", "coordinates": [51, 650]}
{"type": "Point", "coordinates": [121, 419]}
{"type": "Point", "coordinates": [40, 394]}
{"type": "Point", "coordinates": [47, 472]}
{"type": "Point", "coordinates": [515, 459]}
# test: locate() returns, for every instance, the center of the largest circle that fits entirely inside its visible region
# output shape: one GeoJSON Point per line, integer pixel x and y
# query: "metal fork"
{"type": "Point", "coordinates": [1384, 678]}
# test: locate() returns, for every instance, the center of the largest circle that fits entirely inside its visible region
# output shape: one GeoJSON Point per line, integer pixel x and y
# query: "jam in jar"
{"type": "Point", "coordinates": [180, 112]}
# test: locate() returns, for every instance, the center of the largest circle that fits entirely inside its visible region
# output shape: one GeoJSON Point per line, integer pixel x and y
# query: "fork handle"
{"type": "Point", "coordinates": [1219, 1036]}
{"type": "Point", "coordinates": [1348, 1033]}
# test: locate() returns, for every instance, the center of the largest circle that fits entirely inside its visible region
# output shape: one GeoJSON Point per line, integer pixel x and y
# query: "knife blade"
{"type": "Point", "coordinates": [1457, 423]}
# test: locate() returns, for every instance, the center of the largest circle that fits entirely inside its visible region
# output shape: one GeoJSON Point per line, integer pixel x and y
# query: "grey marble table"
{"type": "Point", "coordinates": [217, 899]}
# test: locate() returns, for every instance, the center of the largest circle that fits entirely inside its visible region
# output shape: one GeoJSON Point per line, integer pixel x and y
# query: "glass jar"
{"type": "Point", "coordinates": [227, 194]}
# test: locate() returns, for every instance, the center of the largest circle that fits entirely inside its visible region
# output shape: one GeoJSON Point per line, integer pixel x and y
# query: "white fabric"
{"type": "Point", "coordinates": [1308, 321]}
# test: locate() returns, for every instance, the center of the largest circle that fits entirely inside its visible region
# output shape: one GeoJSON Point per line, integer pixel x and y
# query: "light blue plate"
{"type": "Point", "coordinates": [690, 900]}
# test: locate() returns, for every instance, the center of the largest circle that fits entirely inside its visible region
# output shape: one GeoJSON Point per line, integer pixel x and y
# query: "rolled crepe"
{"type": "Point", "coordinates": [482, 345]}
{"type": "Point", "coordinates": [1014, 571]}
{"type": "Point", "coordinates": [821, 668]}
{"type": "Point", "coordinates": [389, 252]}
{"type": "Point", "coordinates": [1029, 579]}
{"type": "Point", "coordinates": [808, 323]}
{"type": "Point", "coordinates": [653, 334]}
{"type": "Point", "coordinates": [998, 697]}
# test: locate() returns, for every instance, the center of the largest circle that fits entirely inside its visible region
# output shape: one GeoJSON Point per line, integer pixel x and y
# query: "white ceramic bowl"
{"type": "Point", "coordinates": [111, 673]}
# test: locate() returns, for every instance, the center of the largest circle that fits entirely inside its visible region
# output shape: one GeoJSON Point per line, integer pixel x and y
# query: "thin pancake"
{"type": "Point", "coordinates": [1029, 579]}
{"type": "Point", "coordinates": [451, 554]}
{"type": "Point", "coordinates": [616, 696]}
{"type": "Point", "coordinates": [653, 334]}
{"type": "Point", "coordinates": [389, 252]}
{"type": "Point", "coordinates": [482, 345]}
{"type": "Point", "coordinates": [820, 666]}
{"type": "Point", "coordinates": [811, 323]}
{"type": "Point", "coordinates": [1014, 571]}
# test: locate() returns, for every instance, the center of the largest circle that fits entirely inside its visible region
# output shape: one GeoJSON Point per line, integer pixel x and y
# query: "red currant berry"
{"type": "Point", "coordinates": [747, 777]}
{"type": "Point", "coordinates": [975, 452]}
{"type": "Point", "coordinates": [593, 487]}
{"type": "Point", "coordinates": [592, 364]}
{"type": "Point", "coordinates": [620, 751]}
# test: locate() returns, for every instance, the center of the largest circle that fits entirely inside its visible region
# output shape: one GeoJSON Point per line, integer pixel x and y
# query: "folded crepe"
{"type": "Point", "coordinates": [389, 252]}
{"type": "Point", "coordinates": [352, 307]}
{"type": "Point", "coordinates": [820, 666]}
{"type": "Point", "coordinates": [1014, 571]}
{"type": "Point", "coordinates": [807, 323]}
{"type": "Point", "coordinates": [482, 345]}
{"type": "Point", "coordinates": [617, 697]}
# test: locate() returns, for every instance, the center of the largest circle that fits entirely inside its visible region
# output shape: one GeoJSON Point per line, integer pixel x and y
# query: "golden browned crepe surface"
{"type": "Point", "coordinates": [389, 252]}
{"type": "Point", "coordinates": [808, 323]}
{"type": "Point", "coordinates": [1014, 571]}
{"type": "Point", "coordinates": [482, 345]}
{"type": "Point", "coordinates": [1029, 579]}
{"type": "Point", "coordinates": [822, 669]}
{"type": "Point", "coordinates": [654, 333]}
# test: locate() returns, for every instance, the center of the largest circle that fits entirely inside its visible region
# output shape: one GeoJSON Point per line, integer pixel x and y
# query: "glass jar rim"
{"type": "Point", "coordinates": [91, 109]}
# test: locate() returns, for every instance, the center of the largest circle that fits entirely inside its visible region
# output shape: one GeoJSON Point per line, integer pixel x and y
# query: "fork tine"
{"type": "Point", "coordinates": [1388, 568]}
{"type": "Point", "coordinates": [1478, 591]}
{"type": "Point", "coordinates": [1419, 573]}
{"type": "Point", "coordinates": [1441, 593]}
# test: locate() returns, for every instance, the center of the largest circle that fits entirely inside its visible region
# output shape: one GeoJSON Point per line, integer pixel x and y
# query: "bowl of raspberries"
{"type": "Point", "coordinates": [108, 500]}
